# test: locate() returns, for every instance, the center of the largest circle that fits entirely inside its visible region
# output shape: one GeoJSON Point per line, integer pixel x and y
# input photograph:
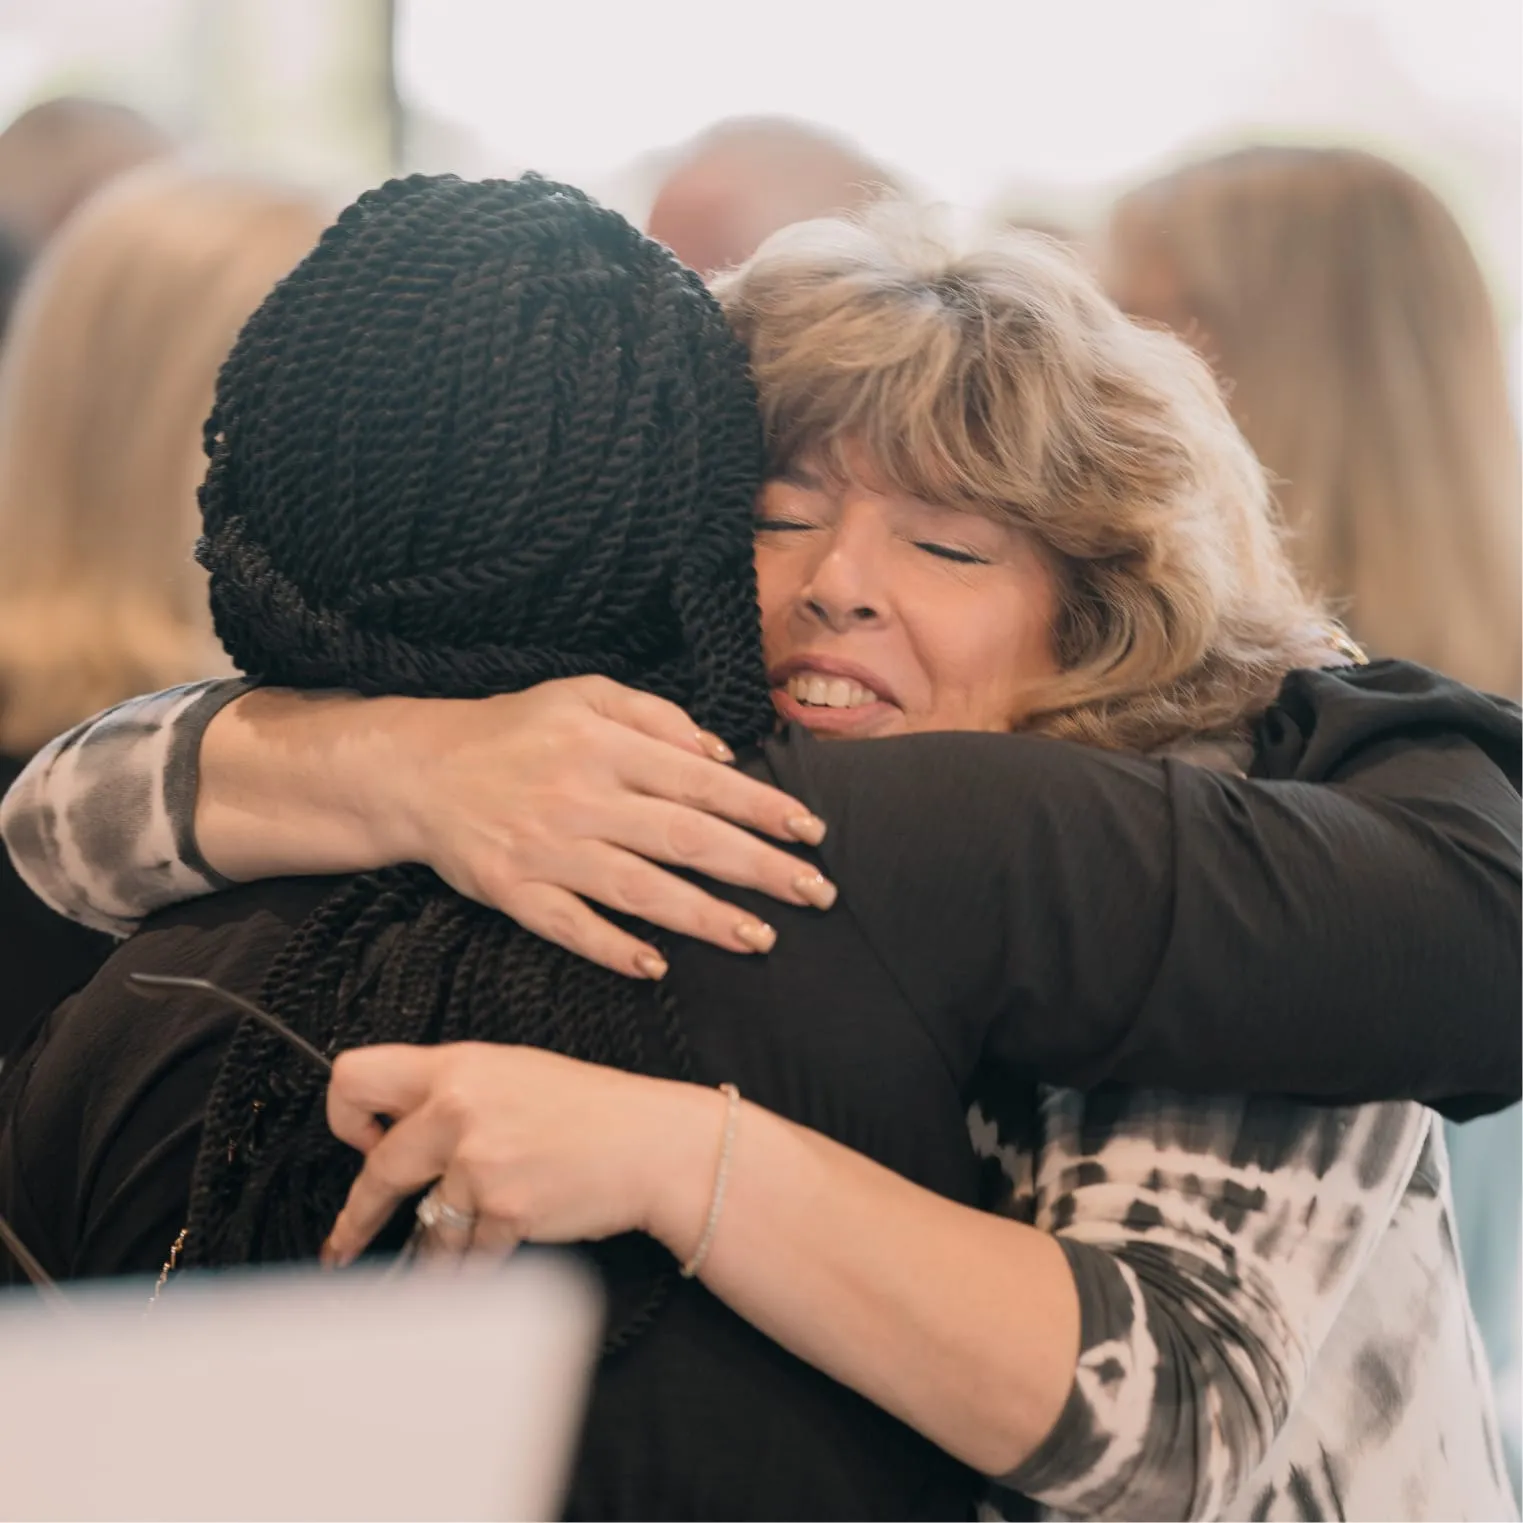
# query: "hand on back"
{"type": "Point", "coordinates": [573, 794]}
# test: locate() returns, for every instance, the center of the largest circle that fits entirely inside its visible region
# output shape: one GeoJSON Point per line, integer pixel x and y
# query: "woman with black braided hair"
{"type": "Point", "coordinates": [487, 436]}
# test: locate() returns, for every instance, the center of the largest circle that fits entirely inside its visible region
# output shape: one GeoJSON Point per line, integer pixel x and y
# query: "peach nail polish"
{"type": "Point", "coordinates": [816, 889]}
{"type": "Point", "coordinates": [808, 828]}
{"type": "Point", "coordinates": [757, 935]}
{"type": "Point", "coordinates": [650, 965]}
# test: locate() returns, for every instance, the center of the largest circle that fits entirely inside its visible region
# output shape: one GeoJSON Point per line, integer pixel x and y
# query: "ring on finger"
{"type": "Point", "coordinates": [435, 1212]}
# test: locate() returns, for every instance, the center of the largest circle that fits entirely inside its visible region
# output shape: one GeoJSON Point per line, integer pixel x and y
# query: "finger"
{"type": "Point", "coordinates": [447, 1235]}
{"type": "Point", "coordinates": [658, 718]}
{"type": "Point", "coordinates": [494, 1239]}
{"type": "Point", "coordinates": [721, 791]}
{"type": "Point", "coordinates": [628, 883]}
{"type": "Point", "coordinates": [388, 1080]}
{"type": "Point", "coordinates": [411, 1155]}
{"type": "Point", "coordinates": [559, 916]}
{"type": "Point", "coordinates": [688, 837]}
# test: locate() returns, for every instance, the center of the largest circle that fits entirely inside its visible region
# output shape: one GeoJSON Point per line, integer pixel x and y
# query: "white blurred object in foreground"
{"type": "Point", "coordinates": [299, 1395]}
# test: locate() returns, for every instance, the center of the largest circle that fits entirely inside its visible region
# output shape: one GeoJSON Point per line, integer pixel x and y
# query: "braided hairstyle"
{"type": "Point", "coordinates": [485, 435]}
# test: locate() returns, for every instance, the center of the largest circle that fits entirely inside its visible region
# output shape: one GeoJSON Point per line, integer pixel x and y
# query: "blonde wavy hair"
{"type": "Point", "coordinates": [1004, 381]}
{"type": "Point", "coordinates": [1352, 326]}
{"type": "Point", "coordinates": [105, 379]}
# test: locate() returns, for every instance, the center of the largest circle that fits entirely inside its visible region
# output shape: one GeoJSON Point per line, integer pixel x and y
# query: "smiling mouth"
{"type": "Point", "coordinates": [818, 692]}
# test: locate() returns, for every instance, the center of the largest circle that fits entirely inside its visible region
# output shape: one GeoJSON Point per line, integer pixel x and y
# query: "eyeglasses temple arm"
{"type": "Point", "coordinates": [160, 981]}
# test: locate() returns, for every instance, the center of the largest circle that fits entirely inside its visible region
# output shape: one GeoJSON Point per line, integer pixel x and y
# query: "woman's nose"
{"type": "Point", "coordinates": [839, 617]}
{"type": "Point", "coordinates": [844, 589]}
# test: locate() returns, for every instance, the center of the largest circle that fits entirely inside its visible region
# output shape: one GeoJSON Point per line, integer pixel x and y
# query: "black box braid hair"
{"type": "Point", "coordinates": [485, 435]}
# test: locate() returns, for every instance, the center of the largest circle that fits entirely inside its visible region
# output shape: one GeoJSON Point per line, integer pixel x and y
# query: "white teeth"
{"type": "Point", "coordinates": [829, 692]}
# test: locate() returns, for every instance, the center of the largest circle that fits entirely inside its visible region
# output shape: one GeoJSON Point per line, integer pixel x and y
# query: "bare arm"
{"type": "Point", "coordinates": [963, 1324]}
{"type": "Point", "coordinates": [289, 783]}
{"type": "Point", "coordinates": [1197, 1338]}
{"type": "Point", "coordinates": [535, 803]}
{"type": "Point", "coordinates": [1133, 1354]}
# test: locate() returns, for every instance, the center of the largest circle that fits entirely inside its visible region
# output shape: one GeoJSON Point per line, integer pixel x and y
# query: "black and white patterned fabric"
{"type": "Point", "coordinates": [1274, 1322]}
{"type": "Point", "coordinates": [101, 824]}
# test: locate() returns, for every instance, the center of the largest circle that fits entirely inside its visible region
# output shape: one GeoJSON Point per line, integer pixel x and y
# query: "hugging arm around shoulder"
{"type": "Point", "coordinates": [1344, 930]}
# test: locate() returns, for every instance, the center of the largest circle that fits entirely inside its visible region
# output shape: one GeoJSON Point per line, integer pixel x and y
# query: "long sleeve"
{"type": "Point", "coordinates": [1215, 1246]}
{"type": "Point", "coordinates": [100, 825]}
{"type": "Point", "coordinates": [1345, 930]}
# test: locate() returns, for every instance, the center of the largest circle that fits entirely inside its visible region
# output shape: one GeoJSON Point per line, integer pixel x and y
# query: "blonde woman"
{"type": "Point", "coordinates": [1343, 308]}
{"type": "Point", "coordinates": [106, 377]}
{"type": "Point", "coordinates": [1340, 303]}
{"type": "Point", "coordinates": [993, 505]}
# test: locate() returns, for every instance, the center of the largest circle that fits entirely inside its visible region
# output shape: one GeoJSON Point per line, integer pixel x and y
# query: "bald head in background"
{"type": "Point", "coordinates": [739, 182]}
{"type": "Point", "coordinates": [55, 155]}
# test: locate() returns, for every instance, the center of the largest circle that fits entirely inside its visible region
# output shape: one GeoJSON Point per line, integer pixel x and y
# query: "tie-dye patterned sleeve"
{"type": "Point", "coordinates": [1214, 1245]}
{"type": "Point", "coordinates": [101, 824]}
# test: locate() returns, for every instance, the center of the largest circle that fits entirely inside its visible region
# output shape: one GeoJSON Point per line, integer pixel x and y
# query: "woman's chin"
{"type": "Point", "coordinates": [865, 722]}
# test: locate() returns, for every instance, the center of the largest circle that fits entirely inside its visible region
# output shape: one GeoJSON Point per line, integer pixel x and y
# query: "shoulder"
{"type": "Point", "coordinates": [971, 768]}
{"type": "Point", "coordinates": [253, 914]}
{"type": "Point", "coordinates": [230, 937]}
{"type": "Point", "coordinates": [110, 1038]}
{"type": "Point", "coordinates": [1323, 721]}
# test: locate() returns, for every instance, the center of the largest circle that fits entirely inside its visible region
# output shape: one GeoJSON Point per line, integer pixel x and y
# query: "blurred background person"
{"type": "Point", "coordinates": [1342, 305]}
{"type": "Point", "coordinates": [736, 184]}
{"type": "Point", "coordinates": [58, 153]}
{"type": "Point", "coordinates": [104, 384]}
{"type": "Point", "coordinates": [1340, 301]}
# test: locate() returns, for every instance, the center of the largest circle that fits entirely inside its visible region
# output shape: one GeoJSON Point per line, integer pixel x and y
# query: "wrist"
{"type": "Point", "coordinates": [687, 1129]}
{"type": "Point", "coordinates": [384, 752]}
{"type": "Point", "coordinates": [302, 782]}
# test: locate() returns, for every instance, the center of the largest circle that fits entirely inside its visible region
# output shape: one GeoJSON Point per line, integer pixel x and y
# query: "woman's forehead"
{"type": "Point", "coordinates": [833, 463]}
{"type": "Point", "coordinates": [833, 472]}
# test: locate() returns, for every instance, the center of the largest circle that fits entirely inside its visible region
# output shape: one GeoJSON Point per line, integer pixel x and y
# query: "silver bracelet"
{"type": "Point", "coordinates": [721, 1176]}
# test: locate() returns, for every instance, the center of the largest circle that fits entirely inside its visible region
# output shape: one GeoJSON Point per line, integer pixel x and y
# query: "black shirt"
{"type": "Point", "coordinates": [42, 956]}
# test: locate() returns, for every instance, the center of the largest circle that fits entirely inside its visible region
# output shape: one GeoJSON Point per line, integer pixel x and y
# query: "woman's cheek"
{"type": "Point", "coordinates": [773, 585]}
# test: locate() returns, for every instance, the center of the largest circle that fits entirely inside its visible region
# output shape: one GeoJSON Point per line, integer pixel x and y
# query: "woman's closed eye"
{"type": "Point", "coordinates": [956, 553]}
{"type": "Point", "coordinates": [774, 523]}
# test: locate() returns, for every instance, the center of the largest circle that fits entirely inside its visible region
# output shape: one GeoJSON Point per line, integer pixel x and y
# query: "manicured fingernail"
{"type": "Point", "coordinates": [715, 747]}
{"type": "Point", "coordinates": [815, 889]}
{"type": "Point", "coordinates": [808, 828]}
{"type": "Point", "coordinates": [650, 965]}
{"type": "Point", "coordinates": [757, 935]}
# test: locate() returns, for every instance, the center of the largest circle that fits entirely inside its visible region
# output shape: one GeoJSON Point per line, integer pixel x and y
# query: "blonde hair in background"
{"type": "Point", "coordinates": [1002, 380]}
{"type": "Point", "coordinates": [1352, 326]}
{"type": "Point", "coordinates": [105, 380]}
